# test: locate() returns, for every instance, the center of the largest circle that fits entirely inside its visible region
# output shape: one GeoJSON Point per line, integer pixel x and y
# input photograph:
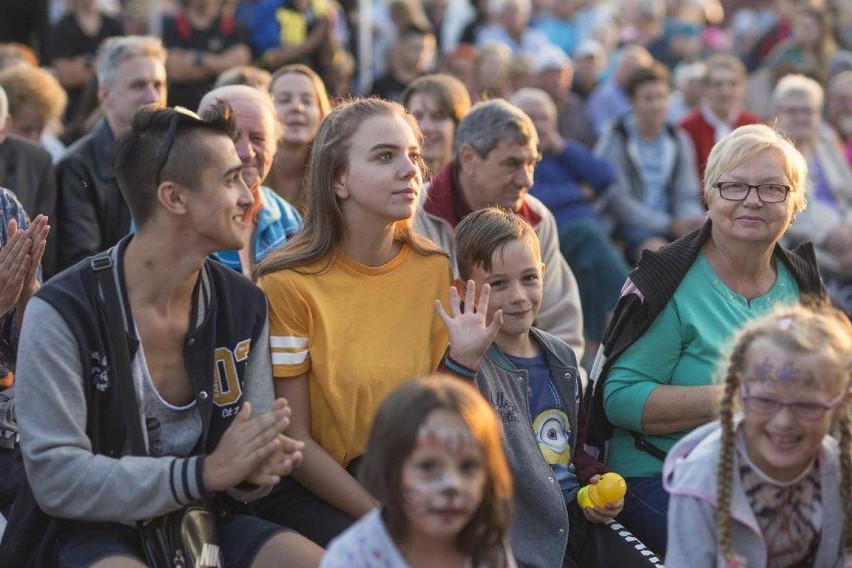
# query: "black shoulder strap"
{"type": "Point", "coordinates": [103, 266]}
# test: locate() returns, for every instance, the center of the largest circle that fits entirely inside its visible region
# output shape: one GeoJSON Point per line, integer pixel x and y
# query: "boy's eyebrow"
{"type": "Point", "coordinates": [233, 170]}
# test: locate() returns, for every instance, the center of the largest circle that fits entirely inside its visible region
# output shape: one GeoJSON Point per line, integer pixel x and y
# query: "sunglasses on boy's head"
{"type": "Point", "coordinates": [169, 140]}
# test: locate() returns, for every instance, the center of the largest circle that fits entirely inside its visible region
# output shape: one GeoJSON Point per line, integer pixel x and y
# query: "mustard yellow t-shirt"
{"type": "Point", "coordinates": [359, 332]}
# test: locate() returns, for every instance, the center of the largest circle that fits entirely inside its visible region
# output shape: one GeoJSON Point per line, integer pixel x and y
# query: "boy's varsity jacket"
{"type": "Point", "coordinates": [441, 209]}
{"type": "Point", "coordinates": [540, 529]}
{"type": "Point", "coordinates": [70, 415]}
{"type": "Point", "coordinates": [690, 475]}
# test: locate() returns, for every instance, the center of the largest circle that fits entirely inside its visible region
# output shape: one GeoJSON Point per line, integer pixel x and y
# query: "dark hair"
{"type": "Point", "coordinates": [392, 440]}
{"type": "Point", "coordinates": [136, 153]}
{"type": "Point", "coordinates": [653, 73]}
{"type": "Point", "coordinates": [486, 230]}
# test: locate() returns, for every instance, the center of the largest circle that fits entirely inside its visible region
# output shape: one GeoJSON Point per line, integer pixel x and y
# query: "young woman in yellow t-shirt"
{"type": "Point", "coordinates": [351, 307]}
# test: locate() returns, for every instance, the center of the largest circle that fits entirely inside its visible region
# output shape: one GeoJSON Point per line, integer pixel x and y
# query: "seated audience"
{"type": "Point", "coordinates": [92, 214]}
{"type": "Point", "coordinates": [656, 198]}
{"type": "Point", "coordinates": [721, 110]}
{"type": "Point", "coordinates": [610, 99]}
{"type": "Point", "coordinates": [36, 105]}
{"type": "Point", "coordinates": [184, 190]}
{"type": "Point", "coordinates": [26, 170]}
{"type": "Point", "coordinates": [336, 308]}
{"type": "Point", "coordinates": [270, 221]}
{"type": "Point", "coordinates": [838, 109]}
{"type": "Point", "coordinates": [301, 103]}
{"type": "Point", "coordinates": [554, 74]}
{"type": "Point", "coordinates": [411, 56]}
{"type": "Point", "coordinates": [461, 520]}
{"type": "Point", "coordinates": [572, 182]}
{"type": "Point", "coordinates": [787, 379]}
{"type": "Point", "coordinates": [202, 42]}
{"type": "Point", "coordinates": [797, 104]}
{"type": "Point", "coordinates": [438, 102]}
{"type": "Point", "coordinates": [494, 157]}
{"type": "Point", "coordinates": [653, 377]}
{"type": "Point", "coordinates": [74, 44]}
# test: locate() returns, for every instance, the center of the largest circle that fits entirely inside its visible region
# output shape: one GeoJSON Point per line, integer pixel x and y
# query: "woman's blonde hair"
{"type": "Point", "coordinates": [797, 329]}
{"type": "Point", "coordinates": [393, 438]}
{"type": "Point", "coordinates": [745, 143]}
{"type": "Point", "coordinates": [324, 227]}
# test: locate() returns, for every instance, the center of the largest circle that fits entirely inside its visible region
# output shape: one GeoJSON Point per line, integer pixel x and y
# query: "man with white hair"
{"type": "Point", "coordinates": [91, 212]}
{"type": "Point", "coordinates": [271, 220]}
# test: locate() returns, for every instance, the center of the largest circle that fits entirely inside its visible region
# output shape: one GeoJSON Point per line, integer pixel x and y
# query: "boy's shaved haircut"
{"type": "Point", "coordinates": [135, 159]}
{"type": "Point", "coordinates": [486, 230]}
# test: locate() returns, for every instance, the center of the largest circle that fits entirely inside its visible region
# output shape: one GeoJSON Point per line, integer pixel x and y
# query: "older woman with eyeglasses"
{"type": "Point", "coordinates": [653, 376]}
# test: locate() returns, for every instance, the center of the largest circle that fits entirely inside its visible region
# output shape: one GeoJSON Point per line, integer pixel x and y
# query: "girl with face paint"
{"type": "Point", "coordinates": [435, 463]}
{"type": "Point", "coordinates": [768, 486]}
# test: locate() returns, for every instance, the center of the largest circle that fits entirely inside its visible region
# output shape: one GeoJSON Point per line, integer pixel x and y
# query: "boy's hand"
{"type": "Point", "coordinates": [245, 446]}
{"type": "Point", "coordinates": [602, 514]}
{"type": "Point", "coordinates": [283, 460]}
{"type": "Point", "coordinates": [470, 334]}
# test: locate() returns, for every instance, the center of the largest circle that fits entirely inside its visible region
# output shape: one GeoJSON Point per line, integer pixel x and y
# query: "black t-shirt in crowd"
{"type": "Point", "coordinates": [222, 34]}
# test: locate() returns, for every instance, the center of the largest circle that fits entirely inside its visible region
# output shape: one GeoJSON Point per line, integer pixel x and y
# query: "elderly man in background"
{"type": "Point", "coordinates": [271, 220]}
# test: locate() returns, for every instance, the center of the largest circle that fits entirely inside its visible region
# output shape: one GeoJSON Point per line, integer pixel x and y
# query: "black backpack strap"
{"type": "Point", "coordinates": [103, 266]}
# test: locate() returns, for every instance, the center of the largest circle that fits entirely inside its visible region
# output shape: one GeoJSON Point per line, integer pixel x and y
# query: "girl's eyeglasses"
{"type": "Point", "coordinates": [802, 410]}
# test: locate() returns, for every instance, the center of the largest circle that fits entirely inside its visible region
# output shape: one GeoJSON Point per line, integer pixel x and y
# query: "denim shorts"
{"type": "Point", "coordinates": [84, 543]}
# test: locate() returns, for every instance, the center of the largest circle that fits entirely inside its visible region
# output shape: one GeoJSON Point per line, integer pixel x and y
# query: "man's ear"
{"type": "Point", "coordinates": [543, 266]}
{"type": "Point", "coordinates": [173, 197]}
{"type": "Point", "coordinates": [467, 156]}
{"type": "Point", "coordinates": [103, 93]}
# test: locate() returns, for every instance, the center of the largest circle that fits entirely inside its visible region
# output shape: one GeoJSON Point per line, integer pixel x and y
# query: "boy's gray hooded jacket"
{"type": "Point", "coordinates": [690, 476]}
{"type": "Point", "coordinates": [539, 532]}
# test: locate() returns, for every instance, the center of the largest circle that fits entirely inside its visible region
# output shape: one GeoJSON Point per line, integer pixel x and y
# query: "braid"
{"type": "Point", "coordinates": [846, 477]}
{"type": "Point", "coordinates": [725, 472]}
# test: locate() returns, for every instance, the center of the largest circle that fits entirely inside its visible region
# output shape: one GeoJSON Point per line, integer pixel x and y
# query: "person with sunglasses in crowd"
{"type": "Point", "coordinates": [200, 365]}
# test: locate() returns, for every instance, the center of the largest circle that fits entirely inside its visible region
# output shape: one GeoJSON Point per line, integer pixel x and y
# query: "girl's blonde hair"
{"type": "Point", "coordinates": [324, 227]}
{"type": "Point", "coordinates": [795, 329]}
{"type": "Point", "coordinates": [393, 438]}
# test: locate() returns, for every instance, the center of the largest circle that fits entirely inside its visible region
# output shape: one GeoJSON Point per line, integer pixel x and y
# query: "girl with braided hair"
{"type": "Point", "coordinates": [768, 486]}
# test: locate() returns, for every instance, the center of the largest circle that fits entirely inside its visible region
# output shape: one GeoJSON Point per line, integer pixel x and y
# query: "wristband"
{"type": "Point", "coordinates": [458, 368]}
{"type": "Point", "coordinates": [199, 58]}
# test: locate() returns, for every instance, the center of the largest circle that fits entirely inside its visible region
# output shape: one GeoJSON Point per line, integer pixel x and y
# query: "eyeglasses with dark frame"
{"type": "Point", "coordinates": [766, 192]}
{"type": "Point", "coordinates": [169, 140]}
{"type": "Point", "coordinates": [811, 410]}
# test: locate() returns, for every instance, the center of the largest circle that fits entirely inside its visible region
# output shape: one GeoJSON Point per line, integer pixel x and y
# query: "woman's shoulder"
{"type": "Point", "coordinates": [296, 275]}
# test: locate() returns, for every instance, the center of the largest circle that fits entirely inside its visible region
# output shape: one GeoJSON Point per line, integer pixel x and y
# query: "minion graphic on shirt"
{"type": "Point", "coordinates": [553, 433]}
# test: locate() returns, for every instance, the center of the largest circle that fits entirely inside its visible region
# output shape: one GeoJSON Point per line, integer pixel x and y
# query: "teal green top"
{"type": "Point", "coordinates": [681, 348]}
